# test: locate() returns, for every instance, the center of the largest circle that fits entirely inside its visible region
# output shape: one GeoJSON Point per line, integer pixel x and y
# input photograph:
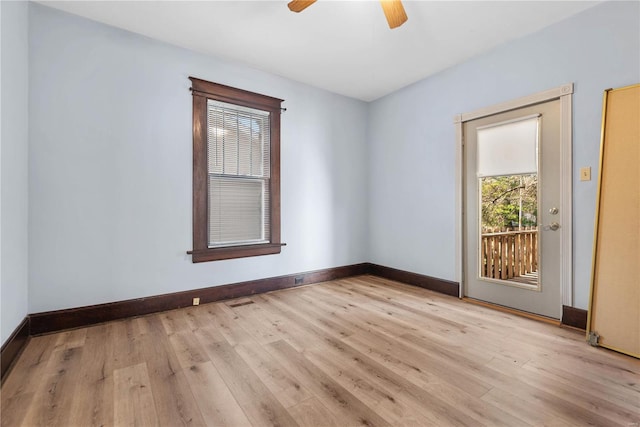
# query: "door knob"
{"type": "Point", "coordinates": [553, 226]}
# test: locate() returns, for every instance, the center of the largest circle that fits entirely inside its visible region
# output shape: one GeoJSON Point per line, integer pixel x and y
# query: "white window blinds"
{"type": "Point", "coordinates": [238, 146]}
{"type": "Point", "coordinates": [508, 148]}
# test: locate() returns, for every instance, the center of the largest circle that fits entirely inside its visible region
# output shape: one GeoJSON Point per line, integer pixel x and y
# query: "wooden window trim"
{"type": "Point", "coordinates": [203, 90]}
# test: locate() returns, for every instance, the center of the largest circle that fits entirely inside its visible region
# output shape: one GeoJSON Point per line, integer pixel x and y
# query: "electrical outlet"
{"type": "Point", "coordinates": [585, 174]}
{"type": "Point", "coordinates": [196, 301]}
{"type": "Point", "coordinates": [299, 280]}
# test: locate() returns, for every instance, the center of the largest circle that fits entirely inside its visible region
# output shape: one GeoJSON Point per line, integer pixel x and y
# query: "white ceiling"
{"type": "Point", "coordinates": [345, 47]}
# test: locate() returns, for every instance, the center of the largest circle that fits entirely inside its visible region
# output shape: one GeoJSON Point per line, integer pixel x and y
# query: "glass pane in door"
{"type": "Point", "coordinates": [508, 249]}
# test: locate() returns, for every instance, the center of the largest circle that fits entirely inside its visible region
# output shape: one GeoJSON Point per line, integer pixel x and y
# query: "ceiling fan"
{"type": "Point", "coordinates": [393, 10]}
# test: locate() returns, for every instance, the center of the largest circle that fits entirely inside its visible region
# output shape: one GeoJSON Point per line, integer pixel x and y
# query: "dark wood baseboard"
{"type": "Point", "coordinates": [58, 320]}
{"type": "Point", "coordinates": [438, 285]}
{"type": "Point", "coordinates": [574, 317]}
{"type": "Point", "coordinates": [12, 348]}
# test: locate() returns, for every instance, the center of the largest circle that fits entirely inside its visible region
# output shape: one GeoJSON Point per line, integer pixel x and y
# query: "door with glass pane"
{"type": "Point", "coordinates": [512, 206]}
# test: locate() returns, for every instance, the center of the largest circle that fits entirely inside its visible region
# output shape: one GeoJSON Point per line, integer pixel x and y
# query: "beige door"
{"type": "Point", "coordinates": [615, 300]}
{"type": "Point", "coordinates": [512, 209]}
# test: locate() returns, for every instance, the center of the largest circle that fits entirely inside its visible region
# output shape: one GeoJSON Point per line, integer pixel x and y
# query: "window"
{"type": "Point", "coordinates": [236, 173]}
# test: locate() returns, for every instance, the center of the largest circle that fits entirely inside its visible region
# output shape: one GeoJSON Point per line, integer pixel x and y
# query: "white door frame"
{"type": "Point", "coordinates": [564, 94]}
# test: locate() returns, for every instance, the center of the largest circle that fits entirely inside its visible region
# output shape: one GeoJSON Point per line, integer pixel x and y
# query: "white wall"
{"type": "Point", "coordinates": [412, 140]}
{"type": "Point", "coordinates": [13, 166]}
{"type": "Point", "coordinates": [110, 168]}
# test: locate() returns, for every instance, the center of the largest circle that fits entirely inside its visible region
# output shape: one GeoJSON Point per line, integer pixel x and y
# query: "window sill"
{"type": "Point", "coordinates": [231, 252]}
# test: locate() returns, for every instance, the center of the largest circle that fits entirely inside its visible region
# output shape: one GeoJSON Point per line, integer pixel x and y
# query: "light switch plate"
{"type": "Point", "coordinates": [585, 174]}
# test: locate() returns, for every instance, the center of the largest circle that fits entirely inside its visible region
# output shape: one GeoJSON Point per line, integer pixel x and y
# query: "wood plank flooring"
{"type": "Point", "coordinates": [362, 351]}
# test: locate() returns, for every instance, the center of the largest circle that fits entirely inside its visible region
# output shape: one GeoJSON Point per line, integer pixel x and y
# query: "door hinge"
{"type": "Point", "coordinates": [593, 339]}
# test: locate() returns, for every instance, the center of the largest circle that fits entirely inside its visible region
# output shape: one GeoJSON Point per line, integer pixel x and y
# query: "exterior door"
{"type": "Point", "coordinates": [512, 209]}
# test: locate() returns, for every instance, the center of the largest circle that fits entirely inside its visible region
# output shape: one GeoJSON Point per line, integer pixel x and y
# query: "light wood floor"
{"type": "Point", "coordinates": [359, 351]}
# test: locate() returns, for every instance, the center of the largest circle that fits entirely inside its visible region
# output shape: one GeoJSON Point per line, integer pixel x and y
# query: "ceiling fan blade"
{"type": "Point", "coordinates": [394, 11]}
{"type": "Point", "coordinates": [300, 5]}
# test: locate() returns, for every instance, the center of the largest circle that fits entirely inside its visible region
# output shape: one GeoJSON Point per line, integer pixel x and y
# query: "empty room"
{"type": "Point", "coordinates": [320, 213]}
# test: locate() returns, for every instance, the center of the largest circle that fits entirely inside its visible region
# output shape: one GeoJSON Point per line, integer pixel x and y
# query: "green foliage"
{"type": "Point", "coordinates": [501, 197]}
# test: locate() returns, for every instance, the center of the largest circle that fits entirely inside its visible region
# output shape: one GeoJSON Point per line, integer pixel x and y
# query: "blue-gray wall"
{"type": "Point", "coordinates": [412, 140]}
{"type": "Point", "coordinates": [111, 165]}
{"type": "Point", "coordinates": [105, 178]}
{"type": "Point", "coordinates": [14, 146]}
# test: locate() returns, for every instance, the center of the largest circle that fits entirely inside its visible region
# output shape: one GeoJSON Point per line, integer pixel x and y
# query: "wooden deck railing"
{"type": "Point", "coordinates": [509, 254]}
